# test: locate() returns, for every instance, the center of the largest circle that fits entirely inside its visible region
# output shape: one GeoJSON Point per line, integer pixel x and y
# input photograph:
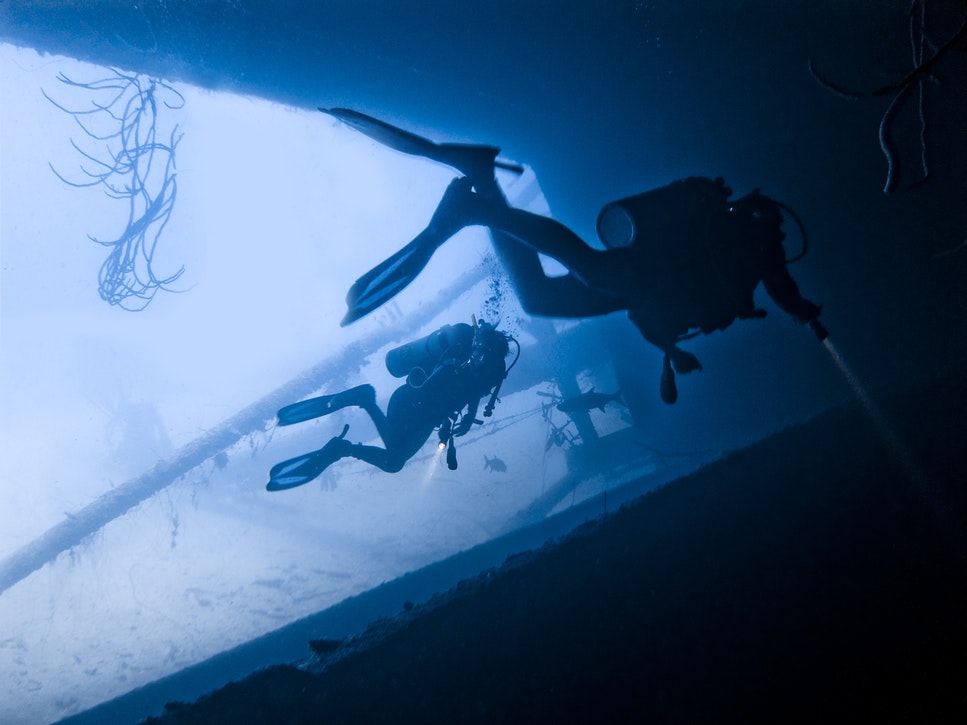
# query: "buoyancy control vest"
{"type": "Point", "coordinates": [706, 253]}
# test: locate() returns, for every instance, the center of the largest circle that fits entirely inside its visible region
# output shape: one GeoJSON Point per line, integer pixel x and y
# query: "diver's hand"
{"type": "Point", "coordinates": [683, 362]}
{"type": "Point", "coordinates": [817, 327]}
{"type": "Point", "coordinates": [465, 424]}
{"type": "Point", "coordinates": [811, 319]}
{"type": "Point", "coordinates": [809, 313]}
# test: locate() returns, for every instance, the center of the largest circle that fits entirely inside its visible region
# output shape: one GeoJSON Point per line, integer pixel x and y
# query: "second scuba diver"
{"type": "Point", "coordinates": [447, 374]}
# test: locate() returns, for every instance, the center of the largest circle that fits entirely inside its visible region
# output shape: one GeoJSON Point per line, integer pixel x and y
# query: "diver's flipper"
{"type": "Point", "coordinates": [385, 133]}
{"type": "Point", "coordinates": [472, 161]}
{"type": "Point", "coordinates": [326, 404]}
{"type": "Point", "coordinates": [302, 469]}
{"type": "Point", "coordinates": [305, 410]}
{"type": "Point", "coordinates": [386, 279]}
{"type": "Point", "coordinates": [294, 472]}
{"type": "Point", "coordinates": [458, 207]}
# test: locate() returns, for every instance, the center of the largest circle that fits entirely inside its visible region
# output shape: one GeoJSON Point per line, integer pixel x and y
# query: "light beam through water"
{"type": "Point", "coordinates": [914, 472]}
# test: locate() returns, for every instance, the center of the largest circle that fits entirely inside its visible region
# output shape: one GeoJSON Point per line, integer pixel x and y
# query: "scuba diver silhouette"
{"type": "Point", "coordinates": [447, 371]}
{"type": "Point", "coordinates": [682, 259]}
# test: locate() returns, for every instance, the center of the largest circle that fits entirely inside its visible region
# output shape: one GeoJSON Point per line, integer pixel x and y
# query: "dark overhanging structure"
{"type": "Point", "coordinates": [291, 52]}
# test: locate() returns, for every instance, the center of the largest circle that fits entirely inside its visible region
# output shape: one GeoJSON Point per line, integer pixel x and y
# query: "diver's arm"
{"type": "Point", "coordinates": [782, 288]}
{"type": "Point", "coordinates": [467, 420]}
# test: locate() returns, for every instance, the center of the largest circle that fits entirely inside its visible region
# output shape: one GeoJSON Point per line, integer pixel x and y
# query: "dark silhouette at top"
{"type": "Point", "coordinates": [446, 372]}
{"type": "Point", "coordinates": [682, 259]}
{"type": "Point", "coordinates": [915, 79]}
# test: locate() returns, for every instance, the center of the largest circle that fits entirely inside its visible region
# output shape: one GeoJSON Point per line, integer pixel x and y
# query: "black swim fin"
{"type": "Point", "coordinates": [302, 469]}
{"type": "Point", "coordinates": [385, 133]}
{"type": "Point", "coordinates": [305, 410]}
{"type": "Point", "coordinates": [295, 472]}
{"type": "Point", "coordinates": [472, 161]}
{"type": "Point", "coordinates": [326, 404]}
{"type": "Point", "coordinates": [386, 279]}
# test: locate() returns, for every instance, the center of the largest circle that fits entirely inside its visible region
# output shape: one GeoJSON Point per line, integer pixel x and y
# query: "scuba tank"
{"type": "Point", "coordinates": [673, 212]}
{"type": "Point", "coordinates": [675, 216]}
{"type": "Point", "coordinates": [426, 352]}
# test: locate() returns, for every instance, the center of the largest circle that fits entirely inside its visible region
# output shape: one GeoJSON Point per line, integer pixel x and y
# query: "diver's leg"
{"type": "Point", "coordinates": [390, 460]}
{"type": "Point", "coordinates": [539, 294]}
{"type": "Point", "coordinates": [375, 456]}
{"type": "Point", "coordinates": [379, 419]}
{"type": "Point", "coordinates": [401, 429]}
{"type": "Point", "coordinates": [582, 293]}
{"type": "Point", "coordinates": [540, 234]}
{"type": "Point", "coordinates": [403, 415]}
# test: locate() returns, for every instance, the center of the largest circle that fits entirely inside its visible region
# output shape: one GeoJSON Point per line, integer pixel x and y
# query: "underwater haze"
{"type": "Point", "coordinates": [137, 410]}
{"type": "Point", "coordinates": [94, 396]}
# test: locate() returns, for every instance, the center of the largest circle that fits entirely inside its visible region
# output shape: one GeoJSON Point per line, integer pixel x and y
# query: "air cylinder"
{"type": "Point", "coordinates": [426, 352]}
{"type": "Point", "coordinates": [663, 215]}
{"type": "Point", "coordinates": [616, 225]}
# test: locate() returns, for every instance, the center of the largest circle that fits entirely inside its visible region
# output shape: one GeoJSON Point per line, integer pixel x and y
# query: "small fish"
{"type": "Point", "coordinates": [589, 400]}
{"type": "Point", "coordinates": [494, 464]}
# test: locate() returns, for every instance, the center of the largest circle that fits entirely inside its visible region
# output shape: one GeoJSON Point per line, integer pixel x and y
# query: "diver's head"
{"type": "Point", "coordinates": [756, 210]}
{"type": "Point", "coordinates": [757, 218]}
{"type": "Point", "coordinates": [489, 343]}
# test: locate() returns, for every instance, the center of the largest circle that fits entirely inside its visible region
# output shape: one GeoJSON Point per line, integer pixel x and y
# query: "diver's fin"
{"type": "Point", "coordinates": [384, 280]}
{"type": "Point", "coordinates": [302, 469]}
{"type": "Point", "coordinates": [385, 133]}
{"type": "Point", "coordinates": [294, 472]}
{"type": "Point", "coordinates": [471, 160]}
{"type": "Point", "coordinates": [326, 404]}
{"type": "Point", "coordinates": [305, 410]}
